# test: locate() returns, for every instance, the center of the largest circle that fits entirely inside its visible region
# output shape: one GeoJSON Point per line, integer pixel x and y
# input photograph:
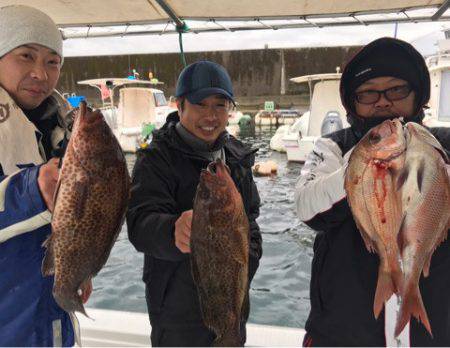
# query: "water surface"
{"type": "Point", "coordinates": [279, 293]}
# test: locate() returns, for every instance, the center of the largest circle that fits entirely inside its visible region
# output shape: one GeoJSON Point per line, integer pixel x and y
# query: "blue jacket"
{"type": "Point", "coordinates": [29, 316]}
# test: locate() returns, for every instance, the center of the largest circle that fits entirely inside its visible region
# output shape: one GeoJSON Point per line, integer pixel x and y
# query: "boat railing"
{"type": "Point", "coordinates": [437, 59]}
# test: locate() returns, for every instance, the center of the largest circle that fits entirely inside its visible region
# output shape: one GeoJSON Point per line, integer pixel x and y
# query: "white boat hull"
{"type": "Point", "coordinates": [109, 328]}
{"type": "Point", "coordinates": [297, 150]}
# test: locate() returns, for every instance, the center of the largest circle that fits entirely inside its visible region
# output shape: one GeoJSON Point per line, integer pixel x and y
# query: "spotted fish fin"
{"type": "Point", "coordinates": [76, 328]}
{"type": "Point", "coordinates": [48, 266]}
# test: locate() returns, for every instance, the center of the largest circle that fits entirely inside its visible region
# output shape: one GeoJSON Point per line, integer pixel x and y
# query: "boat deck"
{"type": "Point", "coordinates": [109, 328]}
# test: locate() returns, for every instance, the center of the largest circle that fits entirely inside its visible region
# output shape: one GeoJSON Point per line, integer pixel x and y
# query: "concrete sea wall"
{"type": "Point", "coordinates": [257, 75]}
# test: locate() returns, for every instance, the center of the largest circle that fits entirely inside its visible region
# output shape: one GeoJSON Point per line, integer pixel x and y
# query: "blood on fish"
{"type": "Point", "coordinates": [380, 175]}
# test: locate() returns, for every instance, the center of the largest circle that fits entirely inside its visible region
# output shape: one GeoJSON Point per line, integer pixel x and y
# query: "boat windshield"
{"type": "Point", "coordinates": [160, 99]}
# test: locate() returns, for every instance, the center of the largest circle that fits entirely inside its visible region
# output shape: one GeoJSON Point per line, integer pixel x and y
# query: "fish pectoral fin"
{"type": "Point", "coordinates": [420, 175]}
{"type": "Point", "coordinates": [402, 177]}
{"type": "Point", "coordinates": [80, 192]}
{"type": "Point", "coordinates": [48, 266]}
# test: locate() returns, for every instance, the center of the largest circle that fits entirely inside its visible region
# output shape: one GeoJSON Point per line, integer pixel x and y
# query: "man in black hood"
{"type": "Point", "coordinates": [387, 79]}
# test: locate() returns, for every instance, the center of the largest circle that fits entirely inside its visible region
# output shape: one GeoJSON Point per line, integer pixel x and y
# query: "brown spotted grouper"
{"type": "Point", "coordinates": [90, 203]}
{"type": "Point", "coordinates": [219, 254]}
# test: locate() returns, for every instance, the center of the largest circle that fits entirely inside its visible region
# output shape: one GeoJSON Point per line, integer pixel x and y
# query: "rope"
{"type": "Point", "coordinates": [182, 29]}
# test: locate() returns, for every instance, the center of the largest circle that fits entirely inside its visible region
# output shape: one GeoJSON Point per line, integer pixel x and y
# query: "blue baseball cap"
{"type": "Point", "coordinates": [203, 79]}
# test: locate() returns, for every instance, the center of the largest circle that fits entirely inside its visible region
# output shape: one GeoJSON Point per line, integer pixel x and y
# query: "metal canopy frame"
{"type": "Point", "coordinates": [171, 28]}
{"type": "Point", "coordinates": [106, 18]}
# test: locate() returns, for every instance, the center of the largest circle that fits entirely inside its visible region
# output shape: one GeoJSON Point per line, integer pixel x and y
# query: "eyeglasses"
{"type": "Point", "coordinates": [391, 94]}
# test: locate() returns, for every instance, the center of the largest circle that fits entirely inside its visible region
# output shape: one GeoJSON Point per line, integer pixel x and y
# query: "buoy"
{"type": "Point", "coordinates": [265, 168]}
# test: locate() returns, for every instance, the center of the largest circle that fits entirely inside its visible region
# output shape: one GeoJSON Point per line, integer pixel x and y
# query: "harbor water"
{"type": "Point", "coordinates": [279, 292]}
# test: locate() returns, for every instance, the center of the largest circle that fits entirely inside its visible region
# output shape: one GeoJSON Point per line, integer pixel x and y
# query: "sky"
{"type": "Point", "coordinates": [423, 36]}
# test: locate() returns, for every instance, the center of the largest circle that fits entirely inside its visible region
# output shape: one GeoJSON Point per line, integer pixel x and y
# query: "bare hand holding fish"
{"type": "Point", "coordinates": [183, 231]}
{"type": "Point", "coordinates": [47, 180]}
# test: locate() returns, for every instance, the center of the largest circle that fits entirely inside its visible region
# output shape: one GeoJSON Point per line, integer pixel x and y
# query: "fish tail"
{"type": "Point", "coordinates": [384, 291]}
{"type": "Point", "coordinates": [412, 304]}
{"type": "Point", "coordinates": [230, 338]}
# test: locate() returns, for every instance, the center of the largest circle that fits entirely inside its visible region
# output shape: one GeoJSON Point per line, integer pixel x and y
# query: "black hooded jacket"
{"type": "Point", "coordinates": [344, 274]}
{"type": "Point", "coordinates": [165, 179]}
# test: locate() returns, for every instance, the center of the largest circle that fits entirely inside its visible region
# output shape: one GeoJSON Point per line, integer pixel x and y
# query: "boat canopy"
{"type": "Point", "coordinates": [115, 82]}
{"type": "Point", "coordinates": [168, 16]}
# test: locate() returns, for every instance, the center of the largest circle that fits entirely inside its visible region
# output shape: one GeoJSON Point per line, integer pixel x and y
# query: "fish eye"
{"type": "Point", "coordinates": [374, 138]}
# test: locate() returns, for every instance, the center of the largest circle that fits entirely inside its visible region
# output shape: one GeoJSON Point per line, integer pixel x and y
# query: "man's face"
{"type": "Point", "coordinates": [398, 99]}
{"type": "Point", "coordinates": [207, 119]}
{"type": "Point", "coordinates": [29, 74]}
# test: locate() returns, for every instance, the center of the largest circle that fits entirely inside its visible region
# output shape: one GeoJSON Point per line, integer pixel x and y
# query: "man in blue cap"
{"type": "Point", "coordinates": [165, 179]}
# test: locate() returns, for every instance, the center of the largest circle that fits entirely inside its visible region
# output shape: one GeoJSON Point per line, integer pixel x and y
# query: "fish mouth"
{"type": "Point", "coordinates": [217, 168]}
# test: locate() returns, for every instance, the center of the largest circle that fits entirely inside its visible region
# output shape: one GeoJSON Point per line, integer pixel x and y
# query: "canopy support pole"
{"type": "Point", "coordinates": [180, 25]}
{"type": "Point", "coordinates": [441, 10]}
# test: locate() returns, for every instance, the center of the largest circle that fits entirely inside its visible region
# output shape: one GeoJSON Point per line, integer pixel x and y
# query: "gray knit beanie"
{"type": "Point", "coordinates": [21, 25]}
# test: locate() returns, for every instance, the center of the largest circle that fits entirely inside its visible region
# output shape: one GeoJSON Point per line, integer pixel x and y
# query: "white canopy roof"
{"type": "Point", "coordinates": [302, 13]}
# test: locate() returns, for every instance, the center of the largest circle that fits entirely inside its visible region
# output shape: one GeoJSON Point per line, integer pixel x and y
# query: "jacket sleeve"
{"type": "Point", "coordinates": [152, 209]}
{"type": "Point", "coordinates": [255, 233]}
{"type": "Point", "coordinates": [22, 208]}
{"type": "Point", "coordinates": [320, 197]}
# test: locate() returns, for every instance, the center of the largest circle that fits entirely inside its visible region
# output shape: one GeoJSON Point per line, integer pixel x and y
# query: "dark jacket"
{"type": "Point", "coordinates": [344, 277]}
{"type": "Point", "coordinates": [164, 183]}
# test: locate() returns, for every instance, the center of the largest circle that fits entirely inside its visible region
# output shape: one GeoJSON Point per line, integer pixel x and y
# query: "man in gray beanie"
{"type": "Point", "coordinates": [30, 63]}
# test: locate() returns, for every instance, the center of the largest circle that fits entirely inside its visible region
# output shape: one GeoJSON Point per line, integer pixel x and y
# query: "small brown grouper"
{"type": "Point", "coordinates": [219, 254]}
